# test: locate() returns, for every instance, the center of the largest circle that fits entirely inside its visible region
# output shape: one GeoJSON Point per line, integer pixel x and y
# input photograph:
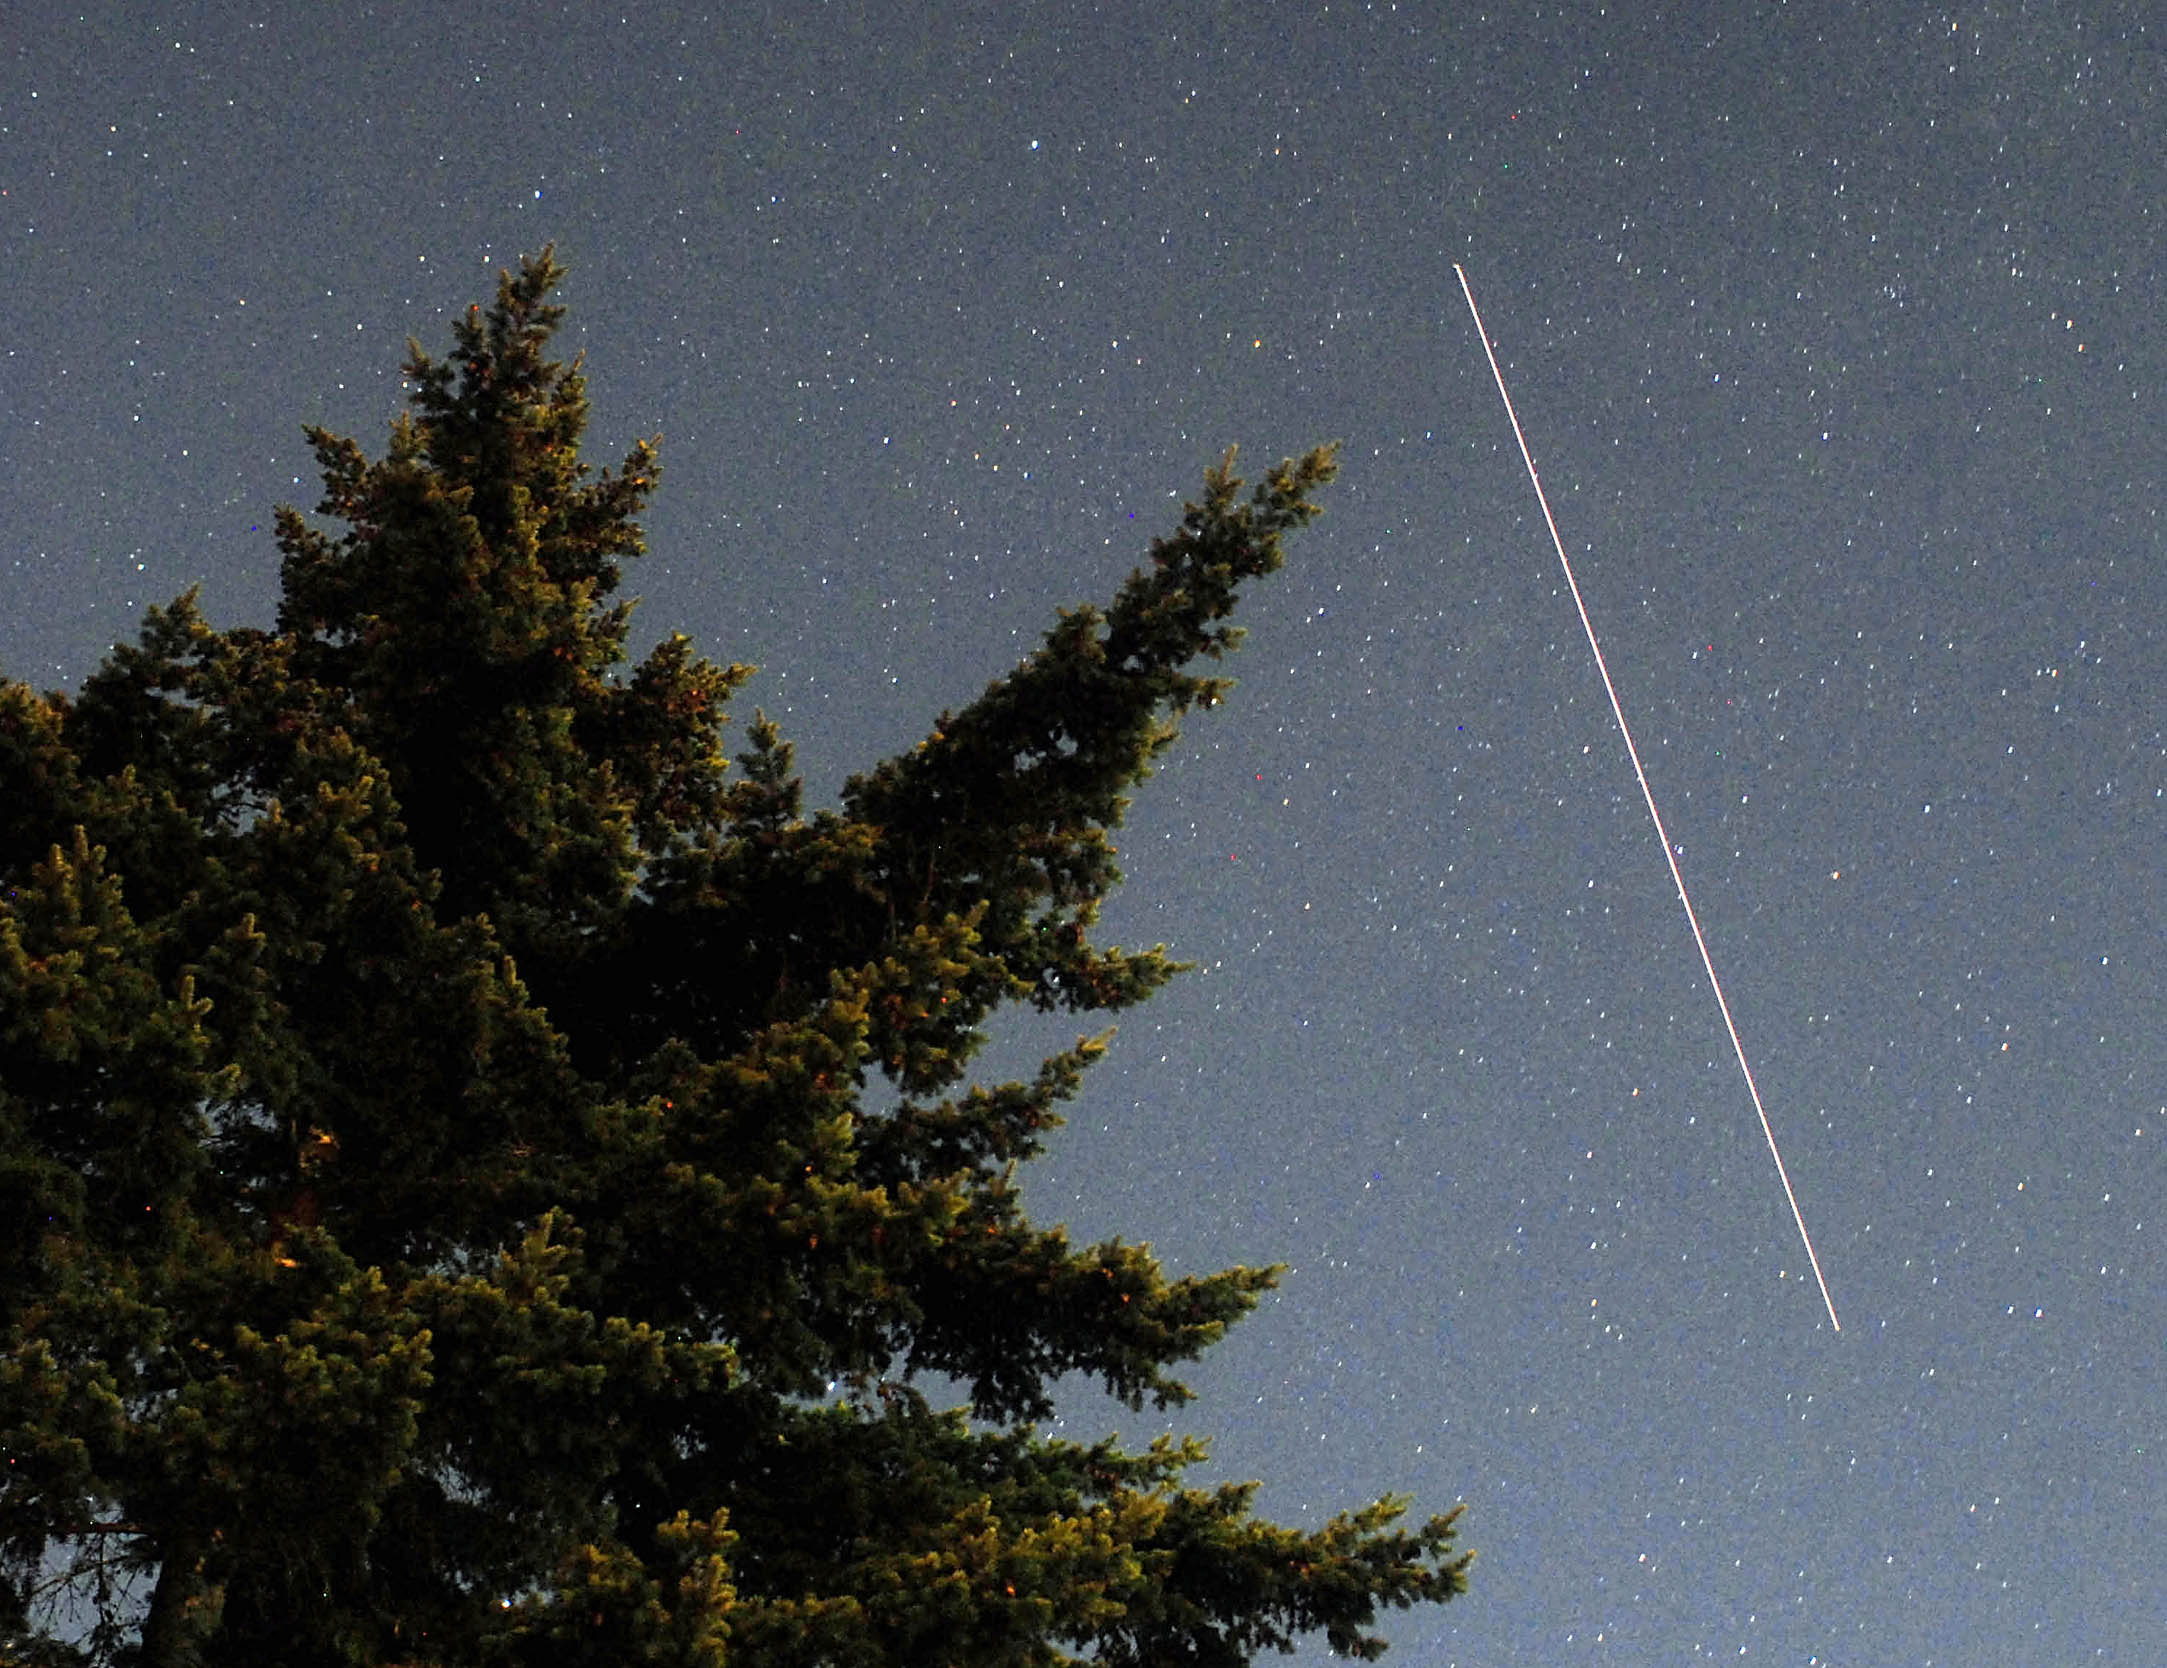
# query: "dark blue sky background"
{"type": "Point", "coordinates": [1836, 332]}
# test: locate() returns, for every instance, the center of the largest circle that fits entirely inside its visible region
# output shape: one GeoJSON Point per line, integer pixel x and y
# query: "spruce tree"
{"type": "Point", "coordinates": [487, 1178]}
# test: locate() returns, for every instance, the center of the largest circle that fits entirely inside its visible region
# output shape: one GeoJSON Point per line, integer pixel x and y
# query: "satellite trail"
{"type": "Point", "coordinates": [1662, 838]}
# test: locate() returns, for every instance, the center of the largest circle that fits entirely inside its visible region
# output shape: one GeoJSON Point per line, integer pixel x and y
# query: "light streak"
{"type": "Point", "coordinates": [1647, 793]}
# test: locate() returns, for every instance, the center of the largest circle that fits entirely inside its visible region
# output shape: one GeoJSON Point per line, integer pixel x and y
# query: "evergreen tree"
{"type": "Point", "coordinates": [481, 1178]}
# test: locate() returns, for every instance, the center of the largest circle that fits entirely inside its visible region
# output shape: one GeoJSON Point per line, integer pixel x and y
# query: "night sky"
{"type": "Point", "coordinates": [1836, 331]}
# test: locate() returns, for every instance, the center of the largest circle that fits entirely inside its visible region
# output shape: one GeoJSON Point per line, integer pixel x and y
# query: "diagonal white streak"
{"type": "Point", "coordinates": [1647, 793]}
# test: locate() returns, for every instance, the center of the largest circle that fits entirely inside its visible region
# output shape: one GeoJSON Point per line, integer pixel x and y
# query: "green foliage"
{"type": "Point", "coordinates": [479, 1176]}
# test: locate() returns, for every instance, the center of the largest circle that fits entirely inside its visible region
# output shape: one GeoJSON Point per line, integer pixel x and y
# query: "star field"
{"type": "Point", "coordinates": [1835, 333]}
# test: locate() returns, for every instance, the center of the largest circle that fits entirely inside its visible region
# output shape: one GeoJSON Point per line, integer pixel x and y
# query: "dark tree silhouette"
{"type": "Point", "coordinates": [481, 1179]}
